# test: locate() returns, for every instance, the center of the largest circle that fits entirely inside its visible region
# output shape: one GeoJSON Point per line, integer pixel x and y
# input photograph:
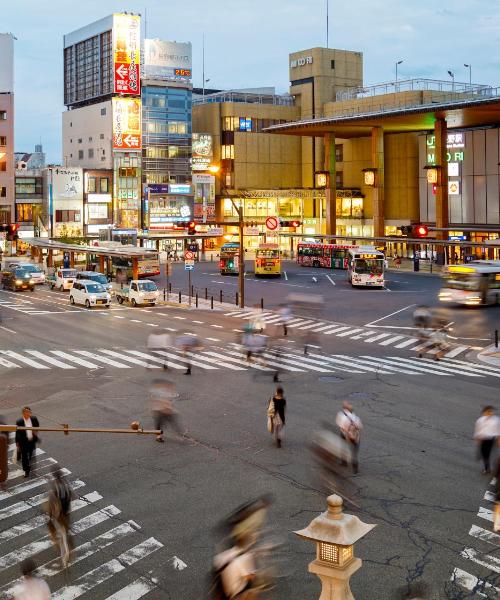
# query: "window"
{"type": "Point", "coordinates": [70, 140]}
{"type": "Point", "coordinates": [79, 140]}
{"type": "Point", "coordinates": [24, 213]}
{"type": "Point", "coordinates": [80, 154]}
{"type": "Point", "coordinates": [3, 192]}
{"type": "Point", "coordinates": [3, 115]}
{"type": "Point", "coordinates": [90, 138]}
{"type": "Point", "coordinates": [245, 124]}
{"type": "Point", "coordinates": [28, 186]}
{"type": "Point", "coordinates": [3, 140]}
{"type": "Point", "coordinates": [3, 166]}
{"type": "Point", "coordinates": [98, 211]}
{"type": "Point", "coordinates": [101, 136]}
{"type": "Point", "coordinates": [103, 158]}
{"type": "Point", "coordinates": [332, 64]}
{"type": "Point", "coordinates": [67, 216]}
{"type": "Point", "coordinates": [103, 185]}
{"type": "Point", "coordinates": [71, 124]}
{"type": "Point", "coordinates": [91, 152]}
{"type": "Point", "coordinates": [227, 152]}
{"type": "Point", "coordinates": [339, 179]}
{"type": "Point", "coordinates": [339, 152]}
{"type": "Point", "coordinates": [91, 185]}
{"type": "Point", "coordinates": [103, 112]}
{"type": "Point", "coordinates": [173, 151]}
{"type": "Point", "coordinates": [227, 138]}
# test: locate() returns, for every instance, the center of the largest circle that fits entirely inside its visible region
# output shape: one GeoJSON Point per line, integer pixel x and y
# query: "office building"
{"type": "Point", "coordinates": [7, 167]}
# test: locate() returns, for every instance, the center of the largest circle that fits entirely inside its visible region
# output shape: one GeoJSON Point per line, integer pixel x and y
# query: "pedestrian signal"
{"type": "Point", "coordinates": [420, 231]}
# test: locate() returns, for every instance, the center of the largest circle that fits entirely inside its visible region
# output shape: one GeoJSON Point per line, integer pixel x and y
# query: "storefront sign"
{"type": "Point", "coordinates": [458, 238]}
{"type": "Point", "coordinates": [454, 141]}
{"type": "Point", "coordinates": [126, 54]}
{"type": "Point", "coordinates": [127, 130]}
{"type": "Point", "coordinates": [158, 188]}
{"type": "Point", "coordinates": [251, 231]}
{"type": "Point", "coordinates": [67, 183]}
{"type": "Point", "coordinates": [453, 169]}
{"type": "Point", "coordinates": [204, 198]}
{"type": "Point", "coordinates": [300, 62]}
{"type": "Point", "coordinates": [179, 188]}
{"type": "Point", "coordinates": [202, 147]}
{"type": "Point", "coordinates": [167, 60]}
{"type": "Point", "coordinates": [99, 198]}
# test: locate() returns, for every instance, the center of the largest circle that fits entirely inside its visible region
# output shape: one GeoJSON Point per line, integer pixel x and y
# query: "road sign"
{"type": "Point", "coordinates": [188, 255]}
{"type": "Point", "coordinates": [251, 231]}
{"type": "Point", "coordinates": [272, 223]}
{"type": "Point", "coordinates": [193, 247]}
{"type": "Point", "coordinates": [188, 266]}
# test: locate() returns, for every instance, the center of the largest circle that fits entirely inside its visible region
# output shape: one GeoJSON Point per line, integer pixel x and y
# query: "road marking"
{"type": "Point", "coordinates": [485, 535]}
{"type": "Point", "coordinates": [472, 583]}
{"type": "Point", "coordinates": [184, 360]}
{"type": "Point", "coordinates": [6, 363]}
{"type": "Point", "coordinates": [485, 560]}
{"type": "Point", "coordinates": [135, 590]}
{"type": "Point", "coordinates": [103, 359]}
{"type": "Point", "coordinates": [377, 337]}
{"type": "Point", "coordinates": [407, 343]}
{"type": "Point", "coordinates": [464, 366]}
{"type": "Point", "coordinates": [118, 317]}
{"type": "Point", "coordinates": [349, 332]}
{"type": "Point", "coordinates": [362, 335]}
{"type": "Point", "coordinates": [438, 366]}
{"type": "Point", "coordinates": [373, 361]}
{"type": "Point", "coordinates": [152, 324]}
{"type": "Point", "coordinates": [50, 360]}
{"type": "Point", "coordinates": [389, 315]}
{"type": "Point", "coordinates": [121, 356]}
{"type": "Point", "coordinates": [286, 276]}
{"type": "Point", "coordinates": [24, 487]}
{"type": "Point", "coordinates": [346, 361]}
{"type": "Point", "coordinates": [180, 318]}
{"type": "Point", "coordinates": [456, 351]}
{"type": "Point", "coordinates": [325, 327]}
{"type": "Point", "coordinates": [330, 279]}
{"type": "Point", "coordinates": [23, 359]}
{"type": "Point", "coordinates": [155, 359]}
{"type": "Point", "coordinates": [7, 329]}
{"type": "Point", "coordinates": [212, 339]}
{"type": "Point", "coordinates": [335, 329]}
{"type": "Point", "coordinates": [217, 326]}
{"type": "Point", "coordinates": [391, 340]}
{"type": "Point", "coordinates": [135, 321]}
{"type": "Point", "coordinates": [311, 326]}
{"type": "Point", "coordinates": [238, 361]}
{"type": "Point", "coordinates": [75, 359]}
{"type": "Point", "coordinates": [199, 322]}
{"type": "Point", "coordinates": [220, 362]}
{"type": "Point", "coordinates": [299, 362]}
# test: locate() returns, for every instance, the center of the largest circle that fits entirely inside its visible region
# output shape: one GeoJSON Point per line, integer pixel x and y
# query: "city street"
{"type": "Point", "coordinates": [146, 513]}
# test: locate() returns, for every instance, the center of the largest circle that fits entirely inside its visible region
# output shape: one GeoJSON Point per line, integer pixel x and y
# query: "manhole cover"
{"type": "Point", "coordinates": [361, 396]}
{"type": "Point", "coordinates": [330, 378]}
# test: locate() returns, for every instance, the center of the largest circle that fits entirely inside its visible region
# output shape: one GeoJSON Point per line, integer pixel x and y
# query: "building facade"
{"type": "Point", "coordinates": [7, 166]}
{"type": "Point", "coordinates": [29, 202]}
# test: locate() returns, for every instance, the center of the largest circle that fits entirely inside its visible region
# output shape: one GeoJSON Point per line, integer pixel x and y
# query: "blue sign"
{"type": "Point", "coordinates": [457, 238]}
{"type": "Point", "coordinates": [188, 267]}
{"type": "Point", "coordinates": [179, 188]}
{"type": "Point", "coordinates": [158, 188]}
{"type": "Point", "coordinates": [245, 124]}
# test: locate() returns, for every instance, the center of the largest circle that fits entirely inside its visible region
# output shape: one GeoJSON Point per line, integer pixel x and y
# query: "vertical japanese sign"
{"type": "Point", "coordinates": [127, 129]}
{"type": "Point", "coordinates": [126, 54]}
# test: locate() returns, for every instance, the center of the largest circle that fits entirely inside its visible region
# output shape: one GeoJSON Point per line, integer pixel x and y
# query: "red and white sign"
{"type": "Point", "coordinates": [188, 255]}
{"type": "Point", "coordinates": [127, 128]}
{"type": "Point", "coordinates": [272, 223]}
{"type": "Point", "coordinates": [126, 54]}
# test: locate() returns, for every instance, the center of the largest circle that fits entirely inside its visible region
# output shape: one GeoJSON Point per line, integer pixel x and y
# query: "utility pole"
{"type": "Point", "coordinates": [241, 254]}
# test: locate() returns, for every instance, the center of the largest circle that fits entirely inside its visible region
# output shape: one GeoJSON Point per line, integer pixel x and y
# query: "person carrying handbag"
{"type": "Point", "coordinates": [276, 415]}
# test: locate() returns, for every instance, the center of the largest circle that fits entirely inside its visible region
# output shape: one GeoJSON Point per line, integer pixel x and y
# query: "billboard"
{"type": "Point", "coordinates": [67, 184]}
{"type": "Point", "coordinates": [204, 198]}
{"type": "Point", "coordinates": [167, 60]}
{"type": "Point", "coordinates": [202, 151]}
{"type": "Point", "coordinates": [127, 130]}
{"type": "Point", "coordinates": [127, 54]}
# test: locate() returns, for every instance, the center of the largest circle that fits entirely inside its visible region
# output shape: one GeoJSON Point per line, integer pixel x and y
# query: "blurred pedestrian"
{"type": "Point", "coordinates": [31, 587]}
{"type": "Point", "coordinates": [163, 397]}
{"type": "Point", "coordinates": [159, 341]}
{"type": "Point", "coordinates": [286, 315]}
{"type": "Point", "coordinates": [188, 342]}
{"type": "Point", "coordinates": [276, 412]}
{"type": "Point", "coordinates": [486, 432]}
{"type": "Point", "coordinates": [58, 510]}
{"type": "Point", "coordinates": [397, 261]}
{"type": "Point", "coordinates": [26, 441]}
{"type": "Point", "coordinates": [496, 516]}
{"type": "Point", "coordinates": [350, 427]}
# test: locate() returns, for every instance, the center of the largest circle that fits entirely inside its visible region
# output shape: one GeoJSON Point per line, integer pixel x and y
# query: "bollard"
{"type": "Point", "coordinates": [496, 338]}
{"type": "Point", "coordinates": [164, 294]}
{"type": "Point", "coordinates": [180, 297]}
{"type": "Point", "coordinates": [237, 299]}
{"type": "Point", "coordinates": [196, 299]}
{"type": "Point", "coordinates": [335, 533]}
{"type": "Point", "coordinates": [220, 292]}
{"type": "Point", "coordinates": [192, 290]}
{"type": "Point", "coordinates": [262, 303]}
{"type": "Point", "coordinates": [170, 287]}
{"type": "Point", "coordinates": [212, 302]}
{"type": "Point", "coordinates": [206, 293]}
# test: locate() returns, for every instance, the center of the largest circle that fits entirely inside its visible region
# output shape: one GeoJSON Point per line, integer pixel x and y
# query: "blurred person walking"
{"type": "Point", "coordinates": [163, 396]}
{"type": "Point", "coordinates": [496, 515]}
{"type": "Point", "coordinates": [31, 587]}
{"type": "Point", "coordinates": [486, 432]}
{"type": "Point", "coordinates": [350, 427]}
{"type": "Point", "coordinates": [286, 315]}
{"type": "Point", "coordinates": [276, 415]}
{"type": "Point", "coordinates": [26, 441]}
{"type": "Point", "coordinates": [188, 342]}
{"type": "Point", "coordinates": [159, 341]}
{"type": "Point", "coordinates": [58, 510]}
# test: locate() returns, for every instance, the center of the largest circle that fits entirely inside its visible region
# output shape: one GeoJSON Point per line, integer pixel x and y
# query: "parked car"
{"type": "Point", "coordinates": [62, 279]}
{"type": "Point", "coordinates": [96, 277]}
{"type": "Point", "coordinates": [140, 291]}
{"type": "Point", "coordinates": [35, 271]}
{"type": "Point", "coordinates": [89, 294]}
{"type": "Point", "coordinates": [17, 279]}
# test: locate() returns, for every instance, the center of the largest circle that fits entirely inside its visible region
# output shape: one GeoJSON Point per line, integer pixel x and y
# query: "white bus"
{"type": "Point", "coordinates": [475, 283]}
{"type": "Point", "coordinates": [366, 267]}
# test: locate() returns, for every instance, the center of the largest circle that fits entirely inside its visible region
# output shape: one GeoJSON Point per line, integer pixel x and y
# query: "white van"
{"type": "Point", "coordinates": [89, 293]}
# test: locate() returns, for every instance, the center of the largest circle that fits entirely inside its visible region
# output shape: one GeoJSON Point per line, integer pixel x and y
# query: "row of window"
{"type": "Point", "coordinates": [248, 123]}
{"type": "Point", "coordinates": [3, 115]}
{"type": "Point", "coordinates": [80, 140]}
{"type": "Point", "coordinates": [28, 186]}
{"type": "Point", "coordinates": [103, 185]}
{"type": "Point", "coordinates": [3, 140]}
{"type": "Point", "coordinates": [167, 152]}
{"type": "Point", "coordinates": [68, 216]}
{"type": "Point", "coordinates": [175, 127]}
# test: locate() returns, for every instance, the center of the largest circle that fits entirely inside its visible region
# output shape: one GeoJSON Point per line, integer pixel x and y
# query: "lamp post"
{"type": "Point", "coordinates": [470, 73]}
{"type": "Point", "coordinates": [452, 75]}
{"type": "Point", "coordinates": [399, 62]}
{"type": "Point", "coordinates": [335, 534]}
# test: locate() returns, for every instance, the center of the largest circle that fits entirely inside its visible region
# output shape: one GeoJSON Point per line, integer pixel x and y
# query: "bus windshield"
{"type": "Point", "coordinates": [462, 281]}
{"type": "Point", "coordinates": [369, 265]}
{"type": "Point", "coordinates": [268, 253]}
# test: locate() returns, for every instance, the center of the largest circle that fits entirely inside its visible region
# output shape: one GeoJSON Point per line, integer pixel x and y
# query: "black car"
{"type": "Point", "coordinates": [18, 279]}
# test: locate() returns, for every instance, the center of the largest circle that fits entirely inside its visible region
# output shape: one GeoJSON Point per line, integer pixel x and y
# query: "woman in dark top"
{"type": "Point", "coordinates": [279, 404]}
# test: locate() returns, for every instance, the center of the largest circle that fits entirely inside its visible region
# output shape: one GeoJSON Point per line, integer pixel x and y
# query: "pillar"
{"type": "Point", "coordinates": [331, 187]}
{"type": "Point", "coordinates": [72, 260]}
{"type": "Point", "coordinates": [40, 255]}
{"type": "Point", "coordinates": [441, 160]}
{"type": "Point", "coordinates": [135, 268]}
{"type": "Point", "coordinates": [50, 258]}
{"type": "Point", "coordinates": [378, 188]}
{"type": "Point", "coordinates": [102, 259]}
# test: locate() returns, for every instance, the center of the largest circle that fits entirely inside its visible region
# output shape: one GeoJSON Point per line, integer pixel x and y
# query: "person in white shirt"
{"type": "Point", "coordinates": [26, 441]}
{"type": "Point", "coordinates": [159, 341]}
{"type": "Point", "coordinates": [350, 429]}
{"type": "Point", "coordinates": [30, 587]}
{"type": "Point", "coordinates": [486, 432]}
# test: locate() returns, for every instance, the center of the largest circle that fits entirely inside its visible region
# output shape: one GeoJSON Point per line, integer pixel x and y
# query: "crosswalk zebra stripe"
{"type": "Point", "coordinates": [407, 343]}
{"type": "Point", "coordinates": [486, 370]}
{"type": "Point", "coordinates": [299, 363]}
{"type": "Point", "coordinates": [472, 583]}
{"type": "Point", "coordinates": [452, 368]}
{"type": "Point", "coordinates": [273, 319]}
{"type": "Point", "coordinates": [39, 520]}
{"type": "Point", "coordinates": [135, 590]}
{"type": "Point", "coordinates": [335, 329]}
{"type": "Point", "coordinates": [38, 451]}
{"type": "Point", "coordinates": [423, 346]}
{"type": "Point", "coordinates": [6, 363]}
{"type": "Point", "coordinates": [324, 327]}
{"type": "Point", "coordinates": [107, 570]}
{"type": "Point", "coordinates": [24, 359]}
{"type": "Point", "coordinates": [103, 359]}
{"type": "Point", "coordinates": [483, 534]}
{"type": "Point", "coordinates": [313, 326]}
{"type": "Point", "coordinates": [486, 514]}
{"type": "Point", "coordinates": [155, 359]}
{"type": "Point", "coordinates": [76, 359]}
{"type": "Point", "coordinates": [362, 335]}
{"type": "Point", "coordinates": [275, 363]}
{"type": "Point", "coordinates": [489, 497]}
{"type": "Point", "coordinates": [433, 366]}
{"type": "Point", "coordinates": [49, 359]}
{"type": "Point", "coordinates": [180, 359]}
{"type": "Point", "coordinates": [233, 314]}
{"type": "Point", "coordinates": [41, 464]}
{"type": "Point", "coordinates": [238, 361]}
{"type": "Point", "coordinates": [260, 315]}
{"type": "Point", "coordinates": [485, 560]}
{"type": "Point", "coordinates": [135, 361]}
{"type": "Point", "coordinates": [410, 364]}
{"type": "Point", "coordinates": [219, 362]}
{"type": "Point", "coordinates": [391, 340]}
{"type": "Point", "coordinates": [24, 487]}
{"type": "Point", "coordinates": [456, 351]}
{"type": "Point", "coordinates": [396, 368]}
{"type": "Point", "coordinates": [380, 336]}
{"type": "Point", "coordinates": [346, 333]}
{"type": "Point", "coordinates": [348, 362]}
{"type": "Point", "coordinates": [300, 323]}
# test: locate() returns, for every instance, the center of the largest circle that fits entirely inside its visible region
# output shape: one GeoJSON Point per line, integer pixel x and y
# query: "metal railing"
{"type": "Point", "coordinates": [248, 98]}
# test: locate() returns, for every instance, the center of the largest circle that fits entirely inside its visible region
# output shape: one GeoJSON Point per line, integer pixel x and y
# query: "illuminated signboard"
{"type": "Point", "coordinates": [127, 130]}
{"type": "Point", "coordinates": [182, 73]}
{"type": "Point", "coordinates": [454, 188]}
{"type": "Point", "coordinates": [453, 169]}
{"type": "Point", "coordinates": [202, 151]}
{"type": "Point", "coordinates": [127, 54]}
{"type": "Point", "coordinates": [167, 60]}
{"type": "Point", "coordinates": [455, 141]}
{"type": "Point", "coordinates": [179, 188]}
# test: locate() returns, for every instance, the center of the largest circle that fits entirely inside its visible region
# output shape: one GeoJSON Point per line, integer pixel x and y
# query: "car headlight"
{"type": "Point", "coordinates": [141, 294]}
{"type": "Point", "coordinates": [19, 281]}
{"type": "Point", "coordinates": [32, 281]}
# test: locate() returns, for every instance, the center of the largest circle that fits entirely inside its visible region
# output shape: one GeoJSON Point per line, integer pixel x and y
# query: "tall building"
{"type": "Point", "coordinates": [7, 167]}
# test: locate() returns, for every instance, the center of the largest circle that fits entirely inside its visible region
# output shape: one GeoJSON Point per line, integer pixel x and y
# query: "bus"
{"type": "Point", "coordinates": [330, 256]}
{"type": "Point", "coordinates": [229, 258]}
{"type": "Point", "coordinates": [474, 284]}
{"type": "Point", "coordinates": [147, 266]}
{"type": "Point", "coordinates": [366, 267]}
{"type": "Point", "coordinates": [267, 260]}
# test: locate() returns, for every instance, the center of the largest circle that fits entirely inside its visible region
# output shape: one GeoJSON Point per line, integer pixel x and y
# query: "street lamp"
{"type": "Point", "coordinates": [452, 75]}
{"type": "Point", "coordinates": [470, 73]}
{"type": "Point", "coordinates": [370, 176]}
{"type": "Point", "coordinates": [432, 173]}
{"type": "Point", "coordinates": [399, 62]}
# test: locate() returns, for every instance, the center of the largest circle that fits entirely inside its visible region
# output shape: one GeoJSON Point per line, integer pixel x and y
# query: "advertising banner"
{"type": "Point", "coordinates": [167, 60]}
{"type": "Point", "coordinates": [67, 184]}
{"type": "Point", "coordinates": [204, 198]}
{"type": "Point", "coordinates": [127, 54]}
{"type": "Point", "coordinates": [127, 129]}
{"type": "Point", "coordinates": [202, 151]}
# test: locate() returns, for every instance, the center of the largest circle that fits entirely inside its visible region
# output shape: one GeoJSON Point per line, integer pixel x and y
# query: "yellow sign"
{"type": "Point", "coordinates": [127, 54]}
{"type": "Point", "coordinates": [127, 130]}
{"type": "Point", "coordinates": [460, 269]}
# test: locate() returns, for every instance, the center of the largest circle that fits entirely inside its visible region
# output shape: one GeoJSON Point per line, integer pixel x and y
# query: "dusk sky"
{"type": "Point", "coordinates": [247, 44]}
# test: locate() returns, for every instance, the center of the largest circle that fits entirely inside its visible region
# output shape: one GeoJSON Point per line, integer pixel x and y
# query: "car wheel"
{"type": "Point", "coordinates": [32, 289]}
{"type": "Point", "coordinates": [120, 299]}
{"type": "Point", "coordinates": [108, 305]}
{"type": "Point", "coordinates": [87, 303]}
{"type": "Point", "coordinates": [134, 303]}
{"type": "Point", "coordinates": [71, 300]}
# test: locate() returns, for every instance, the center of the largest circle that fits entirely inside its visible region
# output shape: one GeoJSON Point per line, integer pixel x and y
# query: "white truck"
{"type": "Point", "coordinates": [62, 279]}
{"type": "Point", "coordinates": [139, 292]}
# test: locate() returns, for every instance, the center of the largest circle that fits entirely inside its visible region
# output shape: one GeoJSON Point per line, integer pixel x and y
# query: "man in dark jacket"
{"type": "Point", "coordinates": [26, 441]}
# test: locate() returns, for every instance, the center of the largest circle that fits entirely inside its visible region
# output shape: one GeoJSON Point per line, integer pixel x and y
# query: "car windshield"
{"type": "Point", "coordinates": [98, 278]}
{"type": "Point", "coordinates": [95, 288]}
{"type": "Point", "coordinates": [69, 273]}
{"type": "Point", "coordinates": [31, 268]}
{"type": "Point", "coordinates": [21, 274]}
{"type": "Point", "coordinates": [367, 265]}
{"type": "Point", "coordinates": [147, 286]}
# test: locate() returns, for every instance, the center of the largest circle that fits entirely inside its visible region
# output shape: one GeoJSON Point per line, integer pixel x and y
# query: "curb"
{"type": "Point", "coordinates": [491, 356]}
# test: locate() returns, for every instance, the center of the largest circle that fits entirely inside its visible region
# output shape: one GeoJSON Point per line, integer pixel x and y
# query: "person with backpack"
{"type": "Point", "coordinates": [350, 430]}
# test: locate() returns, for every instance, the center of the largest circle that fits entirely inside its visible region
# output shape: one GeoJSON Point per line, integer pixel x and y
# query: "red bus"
{"type": "Point", "coordinates": [330, 256]}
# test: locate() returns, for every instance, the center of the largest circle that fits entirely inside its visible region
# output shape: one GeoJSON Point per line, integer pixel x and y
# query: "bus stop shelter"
{"type": "Point", "coordinates": [38, 245]}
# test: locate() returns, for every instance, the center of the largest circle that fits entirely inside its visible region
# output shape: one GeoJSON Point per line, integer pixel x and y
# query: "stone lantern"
{"type": "Point", "coordinates": [335, 534]}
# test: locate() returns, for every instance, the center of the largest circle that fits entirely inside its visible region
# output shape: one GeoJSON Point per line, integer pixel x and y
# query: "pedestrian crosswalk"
{"type": "Point", "coordinates": [367, 335]}
{"type": "Point", "coordinates": [234, 358]}
{"type": "Point", "coordinates": [22, 305]}
{"type": "Point", "coordinates": [110, 559]}
{"type": "Point", "coordinates": [480, 556]}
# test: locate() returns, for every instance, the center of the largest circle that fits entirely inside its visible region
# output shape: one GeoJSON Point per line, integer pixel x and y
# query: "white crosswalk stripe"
{"type": "Point", "coordinates": [119, 545]}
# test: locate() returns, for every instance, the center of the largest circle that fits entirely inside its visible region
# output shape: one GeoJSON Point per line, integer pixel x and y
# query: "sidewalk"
{"type": "Point", "coordinates": [490, 355]}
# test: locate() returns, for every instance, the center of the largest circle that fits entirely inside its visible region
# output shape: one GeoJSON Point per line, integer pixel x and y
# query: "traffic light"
{"type": "Point", "coordinates": [13, 236]}
{"type": "Point", "coordinates": [420, 231]}
{"type": "Point", "coordinates": [191, 228]}
{"type": "Point", "coordinates": [290, 223]}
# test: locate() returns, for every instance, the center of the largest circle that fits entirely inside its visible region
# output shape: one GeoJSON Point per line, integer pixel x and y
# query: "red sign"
{"type": "Point", "coordinates": [126, 54]}
{"type": "Point", "coordinates": [272, 223]}
{"type": "Point", "coordinates": [188, 255]}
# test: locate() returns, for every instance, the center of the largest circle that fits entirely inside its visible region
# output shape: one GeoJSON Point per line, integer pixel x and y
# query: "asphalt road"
{"type": "Point", "coordinates": [419, 481]}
